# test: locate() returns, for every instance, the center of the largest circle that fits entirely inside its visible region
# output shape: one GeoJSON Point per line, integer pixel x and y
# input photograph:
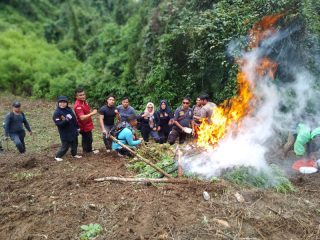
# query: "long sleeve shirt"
{"type": "Point", "coordinates": [67, 126]}
{"type": "Point", "coordinates": [14, 123]}
{"type": "Point", "coordinates": [126, 137]}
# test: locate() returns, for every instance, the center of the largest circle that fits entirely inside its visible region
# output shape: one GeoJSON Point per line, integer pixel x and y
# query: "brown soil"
{"type": "Point", "coordinates": [44, 199]}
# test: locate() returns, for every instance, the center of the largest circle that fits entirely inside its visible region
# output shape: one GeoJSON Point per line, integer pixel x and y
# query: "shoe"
{"type": "Point", "coordinates": [95, 151]}
{"type": "Point", "coordinates": [58, 159]}
{"type": "Point", "coordinates": [77, 156]}
{"type": "Point", "coordinates": [108, 150]}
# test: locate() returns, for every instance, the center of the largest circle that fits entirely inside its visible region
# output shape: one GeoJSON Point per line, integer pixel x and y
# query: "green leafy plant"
{"type": "Point", "coordinates": [273, 177]}
{"type": "Point", "coordinates": [161, 155]}
{"type": "Point", "coordinates": [90, 231]}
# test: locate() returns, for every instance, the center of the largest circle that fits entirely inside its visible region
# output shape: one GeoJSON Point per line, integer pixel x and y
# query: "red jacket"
{"type": "Point", "coordinates": [83, 108]}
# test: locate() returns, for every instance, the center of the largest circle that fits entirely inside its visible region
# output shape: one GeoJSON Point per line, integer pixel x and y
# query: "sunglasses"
{"type": "Point", "coordinates": [185, 102]}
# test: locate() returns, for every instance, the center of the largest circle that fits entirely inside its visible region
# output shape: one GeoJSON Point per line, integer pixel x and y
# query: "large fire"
{"type": "Point", "coordinates": [228, 116]}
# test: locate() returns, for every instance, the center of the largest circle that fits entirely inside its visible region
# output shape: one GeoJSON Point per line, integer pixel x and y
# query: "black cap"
{"type": "Point", "coordinates": [16, 104]}
{"type": "Point", "coordinates": [132, 117]}
{"type": "Point", "coordinates": [62, 99]}
{"type": "Point", "coordinates": [204, 97]}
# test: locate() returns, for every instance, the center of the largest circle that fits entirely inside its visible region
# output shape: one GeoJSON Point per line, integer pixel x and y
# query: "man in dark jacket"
{"type": "Point", "coordinates": [183, 119]}
{"type": "Point", "coordinates": [65, 120]}
{"type": "Point", "coordinates": [13, 125]}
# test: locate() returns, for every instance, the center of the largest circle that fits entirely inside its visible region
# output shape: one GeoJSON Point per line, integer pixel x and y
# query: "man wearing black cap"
{"type": "Point", "coordinates": [13, 125]}
{"type": "Point", "coordinates": [65, 120]}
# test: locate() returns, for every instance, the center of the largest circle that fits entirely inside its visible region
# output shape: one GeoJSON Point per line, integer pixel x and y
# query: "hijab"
{"type": "Point", "coordinates": [150, 115]}
{"type": "Point", "coordinates": [167, 109]}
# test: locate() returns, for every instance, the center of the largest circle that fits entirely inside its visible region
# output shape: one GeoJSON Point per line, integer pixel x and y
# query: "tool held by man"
{"type": "Point", "coordinates": [139, 156]}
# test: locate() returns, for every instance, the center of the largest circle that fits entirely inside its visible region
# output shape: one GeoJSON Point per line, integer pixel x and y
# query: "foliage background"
{"type": "Point", "coordinates": [146, 50]}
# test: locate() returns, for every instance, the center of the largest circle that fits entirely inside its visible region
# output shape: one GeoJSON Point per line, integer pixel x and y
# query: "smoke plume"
{"type": "Point", "coordinates": [279, 105]}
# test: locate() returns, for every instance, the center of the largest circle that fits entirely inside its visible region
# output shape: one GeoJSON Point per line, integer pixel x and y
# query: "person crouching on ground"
{"type": "Point", "coordinates": [149, 123]}
{"type": "Point", "coordinates": [13, 125]}
{"type": "Point", "coordinates": [126, 137]}
{"type": "Point", "coordinates": [65, 120]}
{"type": "Point", "coordinates": [84, 119]}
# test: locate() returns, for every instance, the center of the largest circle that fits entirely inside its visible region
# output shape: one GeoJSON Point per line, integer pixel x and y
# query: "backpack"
{"type": "Point", "coordinates": [117, 129]}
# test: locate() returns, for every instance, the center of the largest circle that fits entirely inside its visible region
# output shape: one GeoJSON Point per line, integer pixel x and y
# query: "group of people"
{"type": "Point", "coordinates": [118, 124]}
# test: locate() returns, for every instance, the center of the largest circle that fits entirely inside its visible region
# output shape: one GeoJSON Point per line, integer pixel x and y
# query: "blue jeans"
{"type": "Point", "coordinates": [18, 139]}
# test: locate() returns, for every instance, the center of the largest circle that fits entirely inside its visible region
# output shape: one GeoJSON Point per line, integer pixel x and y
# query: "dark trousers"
{"type": "Point", "coordinates": [18, 139]}
{"type": "Point", "coordinates": [1, 148]}
{"type": "Point", "coordinates": [146, 131]}
{"type": "Point", "coordinates": [164, 133]}
{"type": "Point", "coordinates": [124, 152]}
{"type": "Point", "coordinates": [176, 133]}
{"type": "Point", "coordinates": [86, 141]}
{"type": "Point", "coordinates": [107, 141]}
{"type": "Point", "coordinates": [65, 145]}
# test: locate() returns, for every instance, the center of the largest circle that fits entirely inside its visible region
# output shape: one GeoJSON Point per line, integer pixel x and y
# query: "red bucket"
{"type": "Point", "coordinates": [304, 163]}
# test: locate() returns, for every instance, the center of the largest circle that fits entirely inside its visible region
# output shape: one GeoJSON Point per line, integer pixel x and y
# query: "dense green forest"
{"type": "Point", "coordinates": [147, 50]}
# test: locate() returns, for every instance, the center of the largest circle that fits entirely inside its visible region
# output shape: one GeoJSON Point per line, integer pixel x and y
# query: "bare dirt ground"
{"type": "Point", "coordinates": [44, 199]}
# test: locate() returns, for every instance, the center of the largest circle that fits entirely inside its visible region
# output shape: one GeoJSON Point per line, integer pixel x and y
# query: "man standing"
{"type": "Point", "coordinates": [125, 109]}
{"type": "Point", "coordinates": [183, 118]}
{"type": "Point", "coordinates": [84, 118]}
{"type": "Point", "coordinates": [13, 125]}
{"type": "Point", "coordinates": [108, 115]}
{"type": "Point", "coordinates": [207, 107]}
{"type": "Point", "coordinates": [197, 112]}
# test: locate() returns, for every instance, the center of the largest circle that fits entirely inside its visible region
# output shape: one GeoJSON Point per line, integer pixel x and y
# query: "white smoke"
{"type": "Point", "coordinates": [249, 145]}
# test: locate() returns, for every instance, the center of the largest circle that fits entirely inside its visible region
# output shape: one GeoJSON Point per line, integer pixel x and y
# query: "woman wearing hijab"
{"type": "Point", "coordinates": [149, 123]}
{"type": "Point", "coordinates": [164, 114]}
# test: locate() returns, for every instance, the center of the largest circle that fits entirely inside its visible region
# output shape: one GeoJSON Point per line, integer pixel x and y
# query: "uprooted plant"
{"type": "Point", "coordinates": [274, 178]}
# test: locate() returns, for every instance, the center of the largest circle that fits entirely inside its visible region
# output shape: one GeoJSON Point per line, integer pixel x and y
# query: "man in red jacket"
{"type": "Point", "coordinates": [84, 114]}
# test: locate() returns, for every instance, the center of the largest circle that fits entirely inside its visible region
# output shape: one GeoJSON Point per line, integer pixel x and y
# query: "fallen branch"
{"type": "Point", "coordinates": [146, 180]}
{"type": "Point", "coordinates": [142, 158]}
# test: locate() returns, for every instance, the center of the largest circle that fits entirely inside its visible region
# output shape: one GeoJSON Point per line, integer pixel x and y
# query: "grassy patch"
{"type": "Point", "coordinates": [25, 176]}
{"type": "Point", "coordinates": [272, 178]}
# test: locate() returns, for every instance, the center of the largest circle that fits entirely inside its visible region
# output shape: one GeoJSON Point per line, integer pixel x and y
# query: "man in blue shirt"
{"type": "Point", "coordinates": [126, 137]}
{"type": "Point", "coordinates": [125, 109]}
{"type": "Point", "coordinates": [13, 124]}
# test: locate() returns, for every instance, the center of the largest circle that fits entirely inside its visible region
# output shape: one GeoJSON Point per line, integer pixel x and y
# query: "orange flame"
{"type": "Point", "coordinates": [228, 116]}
